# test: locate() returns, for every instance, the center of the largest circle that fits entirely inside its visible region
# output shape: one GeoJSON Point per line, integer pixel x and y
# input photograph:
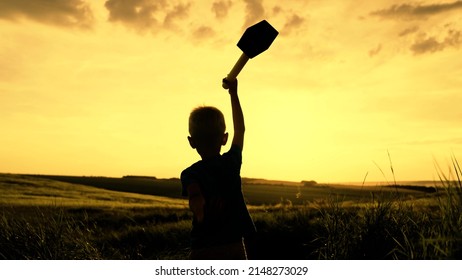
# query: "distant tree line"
{"type": "Point", "coordinates": [138, 177]}
{"type": "Point", "coordinates": [309, 183]}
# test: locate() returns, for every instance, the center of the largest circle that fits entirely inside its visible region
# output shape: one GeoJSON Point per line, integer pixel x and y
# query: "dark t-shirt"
{"type": "Point", "coordinates": [226, 218]}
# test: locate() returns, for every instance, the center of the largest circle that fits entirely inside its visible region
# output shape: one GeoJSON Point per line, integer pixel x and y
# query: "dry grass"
{"type": "Point", "coordinates": [23, 190]}
{"type": "Point", "coordinates": [46, 219]}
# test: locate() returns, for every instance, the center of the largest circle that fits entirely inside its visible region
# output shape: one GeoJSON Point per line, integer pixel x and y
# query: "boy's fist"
{"type": "Point", "coordinates": [230, 85]}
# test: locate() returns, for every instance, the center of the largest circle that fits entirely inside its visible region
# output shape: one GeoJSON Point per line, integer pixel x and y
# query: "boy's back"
{"type": "Point", "coordinates": [226, 218]}
{"type": "Point", "coordinates": [220, 216]}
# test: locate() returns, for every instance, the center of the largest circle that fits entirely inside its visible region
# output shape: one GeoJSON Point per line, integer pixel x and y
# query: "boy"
{"type": "Point", "coordinates": [220, 216]}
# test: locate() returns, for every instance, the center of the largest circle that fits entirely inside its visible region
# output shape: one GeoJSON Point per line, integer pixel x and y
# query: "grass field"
{"type": "Point", "coordinates": [65, 217]}
{"type": "Point", "coordinates": [256, 191]}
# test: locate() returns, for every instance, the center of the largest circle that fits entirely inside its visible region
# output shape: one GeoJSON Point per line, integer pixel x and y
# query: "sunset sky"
{"type": "Point", "coordinates": [105, 88]}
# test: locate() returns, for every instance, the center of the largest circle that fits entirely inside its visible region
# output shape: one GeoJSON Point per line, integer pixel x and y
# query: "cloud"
{"type": "Point", "coordinates": [432, 38]}
{"type": "Point", "coordinates": [293, 22]}
{"type": "Point", "coordinates": [147, 15]}
{"type": "Point", "coordinates": [408, 31]}
{"type": "Point", "coordinates": [416, 11]}
{"type": "Point", "coordinates": [203, 32]}
{"type": "Point", "coordinates": [424, 44]}
{"type": "Point", "coordinates": [375, 51]}
{"type": "Point", "coordinates": [254, 12]}
{"type": "Point", "coordinates": [178, 12]}
{"type": "Point", "coordinates": [277, 10]}
{"type": "Point", "coordinates": [221, 8]}
{"type": "Point", "coordinates": [69, 13]}
{"type": "Point", "coordinates": [137, 13]}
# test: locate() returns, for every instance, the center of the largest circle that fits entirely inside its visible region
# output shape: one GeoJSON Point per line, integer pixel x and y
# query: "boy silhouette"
{"type": "Point", "coordinates": [213, 184]}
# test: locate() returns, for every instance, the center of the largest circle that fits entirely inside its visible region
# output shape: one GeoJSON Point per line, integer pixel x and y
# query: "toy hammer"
{"type": "Point", "coordinates": [255, 40]}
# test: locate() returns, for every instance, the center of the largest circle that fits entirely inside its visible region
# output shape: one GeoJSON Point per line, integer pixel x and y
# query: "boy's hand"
{"type": "Point", "coordinates": [197, 207]}
{"type": "Point", "coordinates": [196, 202]}
{"type": "Point", "coordinates": [231, 85]}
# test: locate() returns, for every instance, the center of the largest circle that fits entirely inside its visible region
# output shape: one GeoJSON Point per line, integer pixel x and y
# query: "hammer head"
{"type": "Point", "coordinates": [257, 38]}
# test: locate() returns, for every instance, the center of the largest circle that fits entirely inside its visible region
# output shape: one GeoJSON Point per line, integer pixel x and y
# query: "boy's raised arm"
{"type": "Point", "coordinates": [238, 116]}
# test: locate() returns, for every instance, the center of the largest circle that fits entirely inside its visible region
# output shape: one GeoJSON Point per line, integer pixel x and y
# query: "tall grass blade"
{"type": "Point", "coordinates": [384, 176]}
{"type": "Point", "coordinates": [391, 167]}
{"type": "Point", "coordinates": [457, 170]}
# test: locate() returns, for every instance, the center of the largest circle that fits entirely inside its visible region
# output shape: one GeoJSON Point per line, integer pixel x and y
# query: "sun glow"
{"type": "Point", "coordinates": [107, 90]}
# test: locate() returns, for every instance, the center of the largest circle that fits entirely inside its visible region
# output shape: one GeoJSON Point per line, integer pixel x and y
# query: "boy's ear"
{"type": "Point", "coordinates": [191, 142]}
{"type": "Point", "coordinates": [225, 139]}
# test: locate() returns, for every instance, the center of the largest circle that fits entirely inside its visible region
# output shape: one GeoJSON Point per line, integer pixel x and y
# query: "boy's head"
{"type": "Point", "coordinates": [207, 129]}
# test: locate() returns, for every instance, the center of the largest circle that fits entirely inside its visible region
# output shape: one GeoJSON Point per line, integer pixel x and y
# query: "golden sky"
{"type": "Point", "coordinates": [105, 87]}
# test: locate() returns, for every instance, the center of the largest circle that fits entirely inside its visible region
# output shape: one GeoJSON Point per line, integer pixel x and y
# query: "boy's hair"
{"type": "Point", "coordinates": [207, 125]}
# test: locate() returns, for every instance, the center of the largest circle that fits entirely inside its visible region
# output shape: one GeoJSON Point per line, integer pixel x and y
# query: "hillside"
{"type": "Point", "coordinates": [256, 191]}
{"type": "Point", "coordinates": [32, 190]}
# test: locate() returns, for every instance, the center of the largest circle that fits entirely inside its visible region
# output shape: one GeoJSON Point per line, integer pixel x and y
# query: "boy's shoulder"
{"type": "Point", "coordinates": [233, 157]}
{"type": "Point", "coordinates": [194, 168]}
{"type": "Point", "coordinates": [189, 176]}
{"type": "Point", "coordinates": [193, 172]}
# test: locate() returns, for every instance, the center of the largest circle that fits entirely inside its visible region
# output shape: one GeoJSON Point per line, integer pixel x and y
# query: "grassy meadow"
{"type": "Point", "coordinates": [66, 217]}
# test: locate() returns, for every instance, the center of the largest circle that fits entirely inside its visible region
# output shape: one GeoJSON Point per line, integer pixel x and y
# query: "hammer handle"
{"type": "Point", "coordinates": [236, 69]}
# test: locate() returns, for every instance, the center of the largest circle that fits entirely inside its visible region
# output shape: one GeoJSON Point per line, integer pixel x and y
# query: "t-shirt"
{"type": "Point", "coordinates": [226, 218]}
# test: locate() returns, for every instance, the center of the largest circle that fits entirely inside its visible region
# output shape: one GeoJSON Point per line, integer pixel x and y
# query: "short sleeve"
{"type": "Point", "coordinates": [235, 156]}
